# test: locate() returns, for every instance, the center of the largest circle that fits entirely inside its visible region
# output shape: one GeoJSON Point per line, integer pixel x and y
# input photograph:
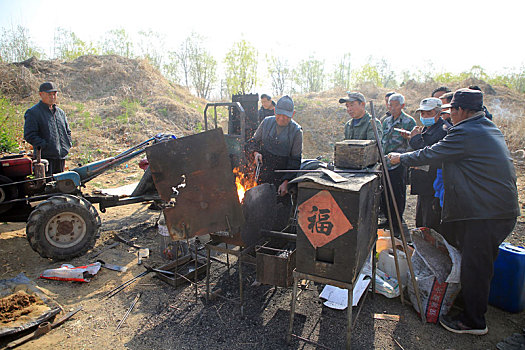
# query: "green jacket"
{"type": "Point", "coordinates": [363, 130]}
{"type": "Point", "coordinates": [392, 140]}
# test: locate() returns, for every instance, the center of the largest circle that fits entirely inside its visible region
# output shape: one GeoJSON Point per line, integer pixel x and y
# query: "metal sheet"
{"type": "Point", "coordinates": [258, 207]}
{"type": "Point", "coordinates": [207, 202]}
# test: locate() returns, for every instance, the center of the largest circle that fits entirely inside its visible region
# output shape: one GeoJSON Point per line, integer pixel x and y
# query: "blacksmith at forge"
{"type": "Point", "coordinates": [480, 202]}
{"type": "Point", "coordinates": [278, 144]}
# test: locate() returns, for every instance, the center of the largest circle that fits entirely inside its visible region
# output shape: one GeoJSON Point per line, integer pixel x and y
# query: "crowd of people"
{"type": "Point", "coordinates": [456, 161]}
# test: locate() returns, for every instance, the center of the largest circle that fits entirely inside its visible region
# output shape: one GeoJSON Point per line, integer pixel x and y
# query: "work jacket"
{"type": "Point", "coordinates": [48, 129]}
{"type": "Point", "coordinates": [392, 140]}
{"type": "Point", "coordinates": [281, 148]}
{"type": "Point", "coordinates": [362, 129]}
{"type": "Point", "coordinates": [421, 179]}
{"type": "Point", "coordinates": [478, 173]}
{"type": "Point", "coordinates": [263, 112]}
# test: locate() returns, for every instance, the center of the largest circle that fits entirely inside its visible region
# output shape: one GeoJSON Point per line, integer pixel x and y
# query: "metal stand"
{"type": "Point", "coordinates": [349, 286]}
{"type": "Point", "coordinates": [227, 251]}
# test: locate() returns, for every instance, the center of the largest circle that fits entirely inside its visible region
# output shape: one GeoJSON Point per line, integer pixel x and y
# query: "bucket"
{"type": "Point", "coordinates": [387, 264]}
{"type": "Point", "coordinates": [507, 289]}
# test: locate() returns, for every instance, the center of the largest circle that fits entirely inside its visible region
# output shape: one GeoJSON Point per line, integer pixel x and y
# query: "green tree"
{"type": "Point", "coordinates": [117, 42]}
{"type": "Point", "coordinates": [170, 69]}
{"type": "Point", "coordinates": [386, 74]}
{"type": "Point", "coordinates": [16, 45]}
{"type": "Point", "coordinates": [68, 46]}
{"type": "Point", "coordinates": [342, 73]}
{"type": "Point", "coordinates": [367, 73]}
{"type": "Point", "coordinates": [309, 75]}
{"type": "Point", "coordinates": [241, 68]}
{"type": "Point", "coordinates": [280, 72]}
{"type": "Point", "coordinates": [202, 72]}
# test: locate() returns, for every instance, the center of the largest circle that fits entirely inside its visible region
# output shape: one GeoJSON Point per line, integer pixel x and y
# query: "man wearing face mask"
{"type": "Point", "coordinates": [428, 210]}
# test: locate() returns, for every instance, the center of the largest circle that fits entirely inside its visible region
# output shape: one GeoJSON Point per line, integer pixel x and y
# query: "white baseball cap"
{"type": "Point", "coordinates": [429, 104]}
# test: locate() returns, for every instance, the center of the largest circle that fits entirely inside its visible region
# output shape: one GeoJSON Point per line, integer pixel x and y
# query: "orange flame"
{"type": "Point", "coordinates": [243, 182]}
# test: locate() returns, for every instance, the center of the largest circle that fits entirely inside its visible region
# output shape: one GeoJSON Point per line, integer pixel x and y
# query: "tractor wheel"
{"type": "Point", "coordinates": [63, 227]}
{"type": "Point", "coordinates": [7, 193]}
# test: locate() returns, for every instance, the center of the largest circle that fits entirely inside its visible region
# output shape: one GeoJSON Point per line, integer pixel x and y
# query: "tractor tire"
{"type": "Point", "coordinates": [7, 193]}
{"type": "Point", "coordinates": [63, 227]}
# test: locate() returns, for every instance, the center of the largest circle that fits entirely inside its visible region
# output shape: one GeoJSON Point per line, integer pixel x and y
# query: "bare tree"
{"type": "Point", "coordinates": [203, 68]}
{"type": "Point", "coordinates": [68, 46]}
{"type": "Point", "coordinates": [342, 73]}
{"type": "Point", "coordinates": [117, 42]}
{"type": "Point", "coordinates": [280, 73]}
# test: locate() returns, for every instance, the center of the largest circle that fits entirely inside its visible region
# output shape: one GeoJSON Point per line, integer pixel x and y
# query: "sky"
{"type": "Point", "coordinates": [453, 35]}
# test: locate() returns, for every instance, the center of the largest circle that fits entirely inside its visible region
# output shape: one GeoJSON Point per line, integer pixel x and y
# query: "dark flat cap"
{"type": "Point", "coordinates": [466, 99]}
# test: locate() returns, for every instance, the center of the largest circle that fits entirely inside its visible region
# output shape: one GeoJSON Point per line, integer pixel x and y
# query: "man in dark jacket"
{"type": "Point", "coordinates": [278, 144]}
{"type": "Point", "coordinates": [428, 210]}
{"type": "Point", "coordinates": [46, 128]}
{"type": "Point", "coordinates": [480, 204]}
{"type": "Point", "coordinates": [267, 107]}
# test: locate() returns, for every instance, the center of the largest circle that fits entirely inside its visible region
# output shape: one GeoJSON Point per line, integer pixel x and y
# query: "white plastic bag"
{"type": "Point", "coordinates": [67, 272]}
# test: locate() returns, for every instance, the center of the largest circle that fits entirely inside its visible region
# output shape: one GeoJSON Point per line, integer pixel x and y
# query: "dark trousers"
{"type": "Point", "coordinates": [478, 241]}
{"type": "Point", "coordinates": [428, 212]}
{"type": "Point", "coordinates": [55, 166]}
{"type": "Point", "coordinates": [398, 177]}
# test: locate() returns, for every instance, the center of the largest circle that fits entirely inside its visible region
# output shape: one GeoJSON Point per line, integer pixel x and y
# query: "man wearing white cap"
{"type": "Point", "coordinates": [428, 210]}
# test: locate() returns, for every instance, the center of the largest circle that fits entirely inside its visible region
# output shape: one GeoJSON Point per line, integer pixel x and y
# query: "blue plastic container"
{"type": "Point", "coordinates": [507, 289]}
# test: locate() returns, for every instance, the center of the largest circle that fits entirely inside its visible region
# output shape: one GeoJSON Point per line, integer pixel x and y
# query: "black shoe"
{"type": "Point", "coordinates": [455, 325]}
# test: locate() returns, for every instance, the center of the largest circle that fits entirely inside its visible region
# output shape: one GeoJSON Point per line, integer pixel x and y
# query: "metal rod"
{"type": "Point", "coordinates": [292, 307]}
{"type": "Point", "coordinates": [349, 316]}
{"type": "Point", "coordinates": [124, 285]}
{"type": "Point", "coordinates": [335, 171]}
{"type": "Point", "coordinates": [405, 245]}
{"type": "Point", "coordinates": [129, 310]}
{"type": "Point", "coordinates": [239, 259]}
{"type": "Point", "coordinates": [196, 275]}
{"type": "Point", "coordinates": [207, 273]}
{"type": "Point", "coordinates": [277, 234]}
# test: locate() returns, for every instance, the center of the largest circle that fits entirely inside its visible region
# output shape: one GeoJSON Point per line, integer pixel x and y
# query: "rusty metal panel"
{"type": "Point", "coordinates": [195, 172]}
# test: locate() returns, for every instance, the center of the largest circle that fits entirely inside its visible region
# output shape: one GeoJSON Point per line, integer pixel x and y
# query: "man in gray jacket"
{"type": "Point", "coordinates": [46, 127]}
{"type": "Point", "coordinates": [480, 204]}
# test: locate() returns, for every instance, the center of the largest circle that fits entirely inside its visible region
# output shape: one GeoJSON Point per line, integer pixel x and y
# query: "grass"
{"type": "Point", "coordinates": [11, 125]}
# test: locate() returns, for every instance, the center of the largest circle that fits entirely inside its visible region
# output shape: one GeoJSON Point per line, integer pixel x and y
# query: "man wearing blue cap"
{"type": "Point", "coordinates": [480, 203]}
{"type": "Point", "coordinates": [46, 127]}
{"type": "Point", "coordinates": [278, 144]}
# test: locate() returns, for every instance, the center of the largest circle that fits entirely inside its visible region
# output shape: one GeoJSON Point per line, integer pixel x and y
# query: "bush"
{"type": "Point", "coordinates": [11, 125]}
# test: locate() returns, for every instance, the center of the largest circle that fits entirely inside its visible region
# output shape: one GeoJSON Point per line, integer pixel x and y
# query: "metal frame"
{"type": "Point", "coordinates": [349, 286]}
{"type": "Point", "coordinates": [239, 254]}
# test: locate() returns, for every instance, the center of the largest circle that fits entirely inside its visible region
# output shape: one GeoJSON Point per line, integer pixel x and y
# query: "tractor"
{"type": "Point", "coordinates": [62, 222]}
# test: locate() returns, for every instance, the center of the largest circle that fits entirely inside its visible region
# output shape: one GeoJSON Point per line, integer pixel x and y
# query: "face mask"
{"type": "Point", "coordinates": [427, 121]}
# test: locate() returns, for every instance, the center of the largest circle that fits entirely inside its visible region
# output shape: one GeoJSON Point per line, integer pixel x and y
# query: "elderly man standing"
{"type": "Point", "coordinates": [428, 210]}
{"type": "Point", "coordinates": [480, 204]}
{"type": "Point", "coordinates": [278, 144]}
{"type": "Point", "coordinates": [46, 127]}
{"type": "Point", "coordinates": [359, 127]}
{"type": "Point", "coordinates": [394, 140]}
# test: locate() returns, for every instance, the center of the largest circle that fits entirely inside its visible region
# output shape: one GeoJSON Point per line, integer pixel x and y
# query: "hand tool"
{"type": "Point", "coordinates": [42, 329]}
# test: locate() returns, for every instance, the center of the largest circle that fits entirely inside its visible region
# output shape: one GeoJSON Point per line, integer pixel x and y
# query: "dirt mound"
{"type": "Point", "coordinates": [18, 304]}
{"type": "Point", "coordinates": [111, 101]}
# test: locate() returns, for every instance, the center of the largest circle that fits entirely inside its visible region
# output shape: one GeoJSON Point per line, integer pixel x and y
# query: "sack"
{"type": "Point", "coordinates": [437, 270]}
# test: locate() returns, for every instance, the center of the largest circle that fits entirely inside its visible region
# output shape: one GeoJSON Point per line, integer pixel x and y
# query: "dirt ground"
{"type": "Point", "coordinates": [169, 318]}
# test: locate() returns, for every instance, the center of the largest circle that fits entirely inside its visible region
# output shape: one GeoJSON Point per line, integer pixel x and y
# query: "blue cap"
{"type": "Point", "coordinates": [285, 106]}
